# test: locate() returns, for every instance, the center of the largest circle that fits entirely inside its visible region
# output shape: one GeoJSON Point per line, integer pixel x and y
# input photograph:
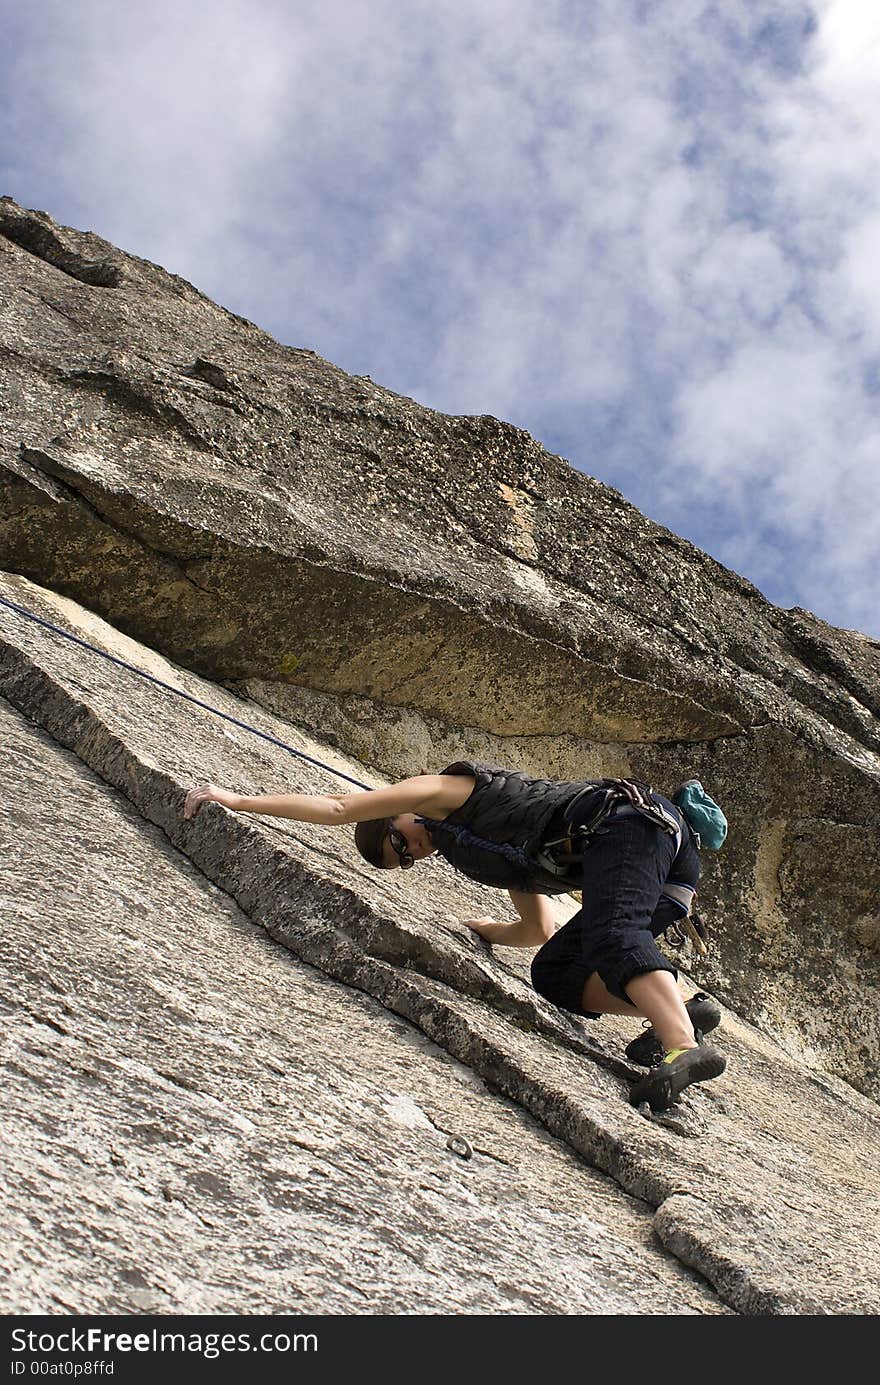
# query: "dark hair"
{"type": "Point", "coordinates": [369, 838]}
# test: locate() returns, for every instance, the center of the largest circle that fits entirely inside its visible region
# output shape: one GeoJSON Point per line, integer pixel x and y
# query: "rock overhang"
{"type": "Point", "coordinates": [425, 585]}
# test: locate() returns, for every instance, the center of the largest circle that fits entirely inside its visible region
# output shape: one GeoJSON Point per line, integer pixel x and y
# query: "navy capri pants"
{"type": "Point", "coordinates": [627, 861]}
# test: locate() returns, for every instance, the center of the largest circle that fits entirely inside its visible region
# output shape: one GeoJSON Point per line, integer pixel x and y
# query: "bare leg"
{"type": "Point", "coordinates": [655, 996]}
{"type": "Point", "coordinates": [597, 998]}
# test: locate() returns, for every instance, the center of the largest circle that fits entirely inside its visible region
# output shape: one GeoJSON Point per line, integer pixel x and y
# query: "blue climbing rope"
{"type": "Point", "coordinates": [243, 725]}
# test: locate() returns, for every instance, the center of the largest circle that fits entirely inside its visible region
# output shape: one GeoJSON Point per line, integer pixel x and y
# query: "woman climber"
{"type": "Point", "coordinates": [627, 848]}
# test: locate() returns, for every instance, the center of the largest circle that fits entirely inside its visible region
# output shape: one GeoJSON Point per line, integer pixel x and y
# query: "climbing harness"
{"type": "Point", "coordinates": [168, 687]}
{"type": "Point", "coordinates": [621, 796]}
{"type": "Point", "coordinates": [618, 796]}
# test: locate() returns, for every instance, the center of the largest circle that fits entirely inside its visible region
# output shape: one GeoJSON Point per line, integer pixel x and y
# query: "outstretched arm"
{"type": "Point", "coordinates": [423, 793]}
{"type": "Point", "coordinates": [532, 929]}
{"type": "Point", "coordinates": [304, 807]}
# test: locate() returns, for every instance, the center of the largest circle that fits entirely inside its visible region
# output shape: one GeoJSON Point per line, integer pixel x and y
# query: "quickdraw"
{"type": "Point", "coordinates": [689, 928]}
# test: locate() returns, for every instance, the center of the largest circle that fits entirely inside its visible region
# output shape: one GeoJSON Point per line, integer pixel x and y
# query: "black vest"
{"type": "Point", "coordinates": [494, 835]}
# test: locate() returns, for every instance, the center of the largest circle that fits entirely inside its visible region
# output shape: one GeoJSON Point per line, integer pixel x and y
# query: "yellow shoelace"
{"type": "Point", "coordinates": [673, 1053]}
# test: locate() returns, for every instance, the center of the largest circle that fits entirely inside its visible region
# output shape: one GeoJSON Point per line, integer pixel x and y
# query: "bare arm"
{"type": "Point", "coordinates": [532, 929]}
{"type": "Point", "coordinates": [435, 795]}
{"type": "Point", "coordinates": [303, 807]}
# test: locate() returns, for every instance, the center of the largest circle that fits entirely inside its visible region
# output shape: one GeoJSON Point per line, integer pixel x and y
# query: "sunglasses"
{"type": "Point", "coordinates": [399, 845]}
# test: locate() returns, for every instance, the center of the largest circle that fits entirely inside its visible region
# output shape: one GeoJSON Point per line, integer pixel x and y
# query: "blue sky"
{"type": "Point", "coordinates": [646, 232]}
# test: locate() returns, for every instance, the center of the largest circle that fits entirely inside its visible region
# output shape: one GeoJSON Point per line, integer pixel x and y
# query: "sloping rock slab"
{"type": "Point", "coordinates": [418, 584]}
{"type": "Point", "coordinates": [195, 1121]}
{"type": "Point", "coordinates": [750, 1177]}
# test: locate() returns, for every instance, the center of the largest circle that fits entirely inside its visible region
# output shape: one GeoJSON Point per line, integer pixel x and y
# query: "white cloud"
{"type": "Point", "coordinates": [788, 405]}
{"type": "Point", "coordinates": [644, 232]}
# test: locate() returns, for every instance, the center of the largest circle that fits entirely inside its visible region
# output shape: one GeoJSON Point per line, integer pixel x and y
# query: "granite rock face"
{"type": "Point", "coordinates": [394, 588]}
{"type": "Point", "coordinates": [196, 1122]}
{"type": "Point", "coordinates": [418, 587]}
{"type": "Point", "coordinates": [183, 1097]}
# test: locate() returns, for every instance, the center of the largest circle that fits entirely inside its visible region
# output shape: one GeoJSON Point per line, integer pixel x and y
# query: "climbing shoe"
{"type": "Point", "coordinates": [663, 1085]}
{"type": "Point", "coordinates": [704, 1014]}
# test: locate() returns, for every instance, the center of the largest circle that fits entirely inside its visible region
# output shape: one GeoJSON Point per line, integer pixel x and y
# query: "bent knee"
{"type": "Point", "coordinates": [543, 975]}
